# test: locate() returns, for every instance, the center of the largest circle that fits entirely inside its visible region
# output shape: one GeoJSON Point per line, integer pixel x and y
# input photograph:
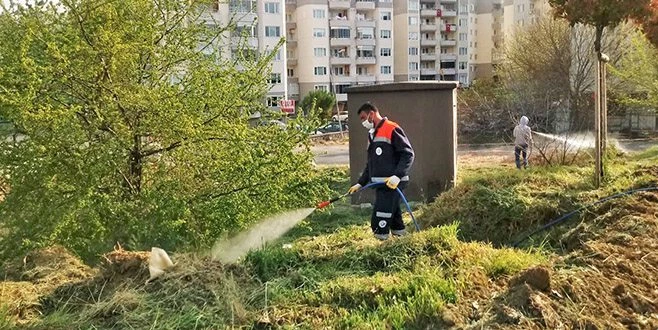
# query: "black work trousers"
{"type": "Point", "coordinates": [387, 215]}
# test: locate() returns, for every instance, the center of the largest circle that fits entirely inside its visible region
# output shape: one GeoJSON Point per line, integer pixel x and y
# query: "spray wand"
{"type": "Point", "coordinates": [404, 200]}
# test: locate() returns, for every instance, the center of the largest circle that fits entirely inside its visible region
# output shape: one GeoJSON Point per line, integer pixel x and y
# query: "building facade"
{"type": "Point", "coordinates": [333, 44]}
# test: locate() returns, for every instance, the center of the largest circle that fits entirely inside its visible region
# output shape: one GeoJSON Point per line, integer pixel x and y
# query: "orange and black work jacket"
{"type": "Point", "coordinates": [389, 153]}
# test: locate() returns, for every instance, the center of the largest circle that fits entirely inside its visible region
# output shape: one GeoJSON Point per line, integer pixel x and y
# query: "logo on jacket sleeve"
{"type": "Point", "coordinates": [378, 151]}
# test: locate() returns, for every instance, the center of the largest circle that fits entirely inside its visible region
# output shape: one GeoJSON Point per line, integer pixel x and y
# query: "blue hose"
{"type": "Point", "coordinates": [568, 215]}
{"type": "Point", "coordinates": [404, 199]}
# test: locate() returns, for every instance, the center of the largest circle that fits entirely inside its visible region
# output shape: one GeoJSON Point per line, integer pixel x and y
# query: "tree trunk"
{"type": "Point", "coordinates": [135, 176]}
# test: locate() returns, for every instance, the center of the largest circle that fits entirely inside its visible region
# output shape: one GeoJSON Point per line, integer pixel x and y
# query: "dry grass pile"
{"type": "Point", "coordinates": [37, 275]}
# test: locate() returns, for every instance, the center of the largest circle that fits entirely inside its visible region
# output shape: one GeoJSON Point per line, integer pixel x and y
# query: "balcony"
{"type": "Point", "coordinates": [448, 28]}
{"type": "Point", "coordinates": [427, 42]}
{"type": "Point", "coordinates": [293, 80]}
{"type": "Point", "coordinates": [448, 42]}
{"type": "Point", "coordinates": [426, 12]}
{"type": "Point", "coordinates": [448, 1]}
{"type": "Point", "coordinates": [339, 23]}
{"type": "Point", "coordinates": [448, 57]}
{"type": "Point", "coordinates": [428, 27]}
{"type": "Point", "coordinates": [364, 42]}
{"type": "Point", "coordinates": [365, 5]}
{"type": "Point", "coordinates": [366, 60]}
{"type": "Point", "coordinates": [365, 23]}
{"type": "Point", "coordinates": [292, 61]}
{"type": "Point", "coordinates": [428, 71]}
{"type": "Point", "coordinates": [291, 25]}
{"type": "Point", "coordinates": [428, 57]}
{"type": "Point", "coordinates": [448, 72]}
{"type": "Point", "coordinates": [293, 88]}
{"type": "Point", "coordinates": [341, 60]}
{"type": "Point", "coordinates": [342, 79]}
{"type": "Point", "coordinates": [365, 78]}
{"type": "Point", "coordinates": [339, 4]}
{"type": "Point", "coordinates": [291, 42]}
{"type": "Point", "coordinates": [448, 13]}
{"type": "Point", "coordinates": [291, 4]}
{"type": "Point", "coordinates": [341, 41]}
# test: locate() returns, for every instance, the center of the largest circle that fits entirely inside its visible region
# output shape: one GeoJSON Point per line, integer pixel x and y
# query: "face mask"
{"type": "Point", "coordinates": [368, 125]}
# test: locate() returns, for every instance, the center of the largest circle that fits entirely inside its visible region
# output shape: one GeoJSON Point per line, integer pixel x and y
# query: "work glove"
{"type": "Point", "coordinates": [393, 182]}
{"type": "Point", "coordinates": [354, 188]}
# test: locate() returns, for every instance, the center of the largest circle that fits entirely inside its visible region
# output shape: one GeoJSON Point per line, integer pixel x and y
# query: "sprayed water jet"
{"type": "Point", "coordinates": [231, 249]}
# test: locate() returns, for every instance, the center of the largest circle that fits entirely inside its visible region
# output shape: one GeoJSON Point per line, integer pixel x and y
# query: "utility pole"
{"type": "Point", "coordinates": [600, 114]}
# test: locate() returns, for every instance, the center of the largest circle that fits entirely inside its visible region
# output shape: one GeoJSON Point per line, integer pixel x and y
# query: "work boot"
{"type": "Point", "coordinates": [400, 232]}
{"type": "Point", "coordinates": [381, 237]}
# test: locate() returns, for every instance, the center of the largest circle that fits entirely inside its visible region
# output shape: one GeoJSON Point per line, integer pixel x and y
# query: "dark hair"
{"type": "Point", "coordinates": [367, 107]}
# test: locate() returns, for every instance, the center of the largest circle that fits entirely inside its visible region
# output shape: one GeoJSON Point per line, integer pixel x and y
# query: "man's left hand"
{"type": "Point", "coordinates": [392, 182]}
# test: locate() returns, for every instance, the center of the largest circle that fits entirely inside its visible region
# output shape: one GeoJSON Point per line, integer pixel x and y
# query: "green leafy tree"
{"type": "Point", "coordinates": [319, 104]}
{"type": "Point", "coordinates": [638, 71]}
{"type": "Point", "coordinates": [136, 129]}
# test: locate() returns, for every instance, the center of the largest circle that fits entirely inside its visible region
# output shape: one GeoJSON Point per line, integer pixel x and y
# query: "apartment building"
{"type": "Point", "coordinates": [335, 44]}
{"type": "Point", "coordinates": [433, 41]}
{"type": "Point", "coordinates": [497, 20]}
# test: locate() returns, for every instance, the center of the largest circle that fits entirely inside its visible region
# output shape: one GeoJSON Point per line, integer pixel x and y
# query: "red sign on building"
{"type": "Point", "coordinates": [287, 106]}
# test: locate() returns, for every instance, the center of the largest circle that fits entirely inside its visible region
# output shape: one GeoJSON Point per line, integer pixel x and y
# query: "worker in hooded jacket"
{"type": "Point", "coordinates": [390, 156]}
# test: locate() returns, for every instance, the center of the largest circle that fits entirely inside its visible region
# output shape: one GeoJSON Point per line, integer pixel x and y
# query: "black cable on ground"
{"type": "Point", "coordinates": [568, 215]}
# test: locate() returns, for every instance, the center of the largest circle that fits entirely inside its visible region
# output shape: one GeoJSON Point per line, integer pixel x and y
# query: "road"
{"type": "Point", "coordinates": [338, 154]}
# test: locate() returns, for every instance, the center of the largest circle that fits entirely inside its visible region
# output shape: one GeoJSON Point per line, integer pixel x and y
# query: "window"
{"type": "Point", "coordinates": [413, 66]}
{"type": "Point", "coordinates": [413, 4]}
{"type": "Point", "coordinates": [319, 33]}
{"type": "Point", "coordinates": [291, 73]}
{"type": "Point", "coordinates": [341, 89]}
{"type": "Point", "coordinates": [275, 78]}
{"type": "Point", "coordinates": [242, 6]}
{"type": "Point", "coordinates": [385, 34]}
{"type": "Point", "coordinates": [462, 22]}
{"type": "Point", "coordinates": [385, 52]}
{"type": "Point", "coordinates": [413, 78]}
{"type": "Point", "coordinates": [385, 69]}
{"type": "Point", "coordinates": [413, 20]}
{"type": "Point", "coordinates": [272, 7]}
{"type": "Point", "coordinates": [413, 50]}
{"type": "Point", "coordinates": [320, 52]}
{"type": "Point", "coordinates": [277, 56]}
{"type": "Point", "coordinates": [244, 30]}
{"type": "Point", "coordinates": [386, 16]}
{"type": "Point", "coordinates": [342, 70]}
{"type": "Point", "coordinates": [462, 65]}
{"type": "Point", "coordinates": [320, 70]}
{"type": "Point", "coordinates": [413, 35]}
{"type": "Point", "coordinates": [463, 37]}
{"type": "Point", "coordinates": [365, 33]}
{"type": "Point", "coordinates": [463, 51]}
{"type": "Point", "coordinates": [321, 88]}
{"type": "Point", "coordinates": [318, 13]}
{"type": "Point", "coordinates": [273, 101]}
{"type": "Point", "coordinates": [463, 79]}
{"type": "Point", "coordinates": [272, 31]}
{"type": "Point", "coordinates": [365, 51]}
{"type": "Point", "coordinates": [340, 33]}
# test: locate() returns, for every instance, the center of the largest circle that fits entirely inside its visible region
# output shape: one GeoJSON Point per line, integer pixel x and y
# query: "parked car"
{"type": "Point", "coordinates": [342, 116]}
{"type": "Point", "coordinates": [332, 127]}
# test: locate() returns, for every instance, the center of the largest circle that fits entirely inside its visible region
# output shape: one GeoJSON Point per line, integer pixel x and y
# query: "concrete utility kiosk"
{"type": "Point", "coordinates": [427, 112]}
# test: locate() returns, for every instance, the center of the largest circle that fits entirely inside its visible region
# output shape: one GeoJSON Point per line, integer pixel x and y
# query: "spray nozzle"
{"type": "Point", "coordinates": [322, 205]}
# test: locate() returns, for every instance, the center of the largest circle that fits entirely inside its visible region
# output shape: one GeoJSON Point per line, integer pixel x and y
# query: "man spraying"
{"type": "Point", "coordinates": [390, 156]}
{"type": "Point", "coordinates": [522, 139]}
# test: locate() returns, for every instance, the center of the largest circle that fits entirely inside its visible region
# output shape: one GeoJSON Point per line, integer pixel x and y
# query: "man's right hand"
{"type": "Point", "coordinates": [354, 188]}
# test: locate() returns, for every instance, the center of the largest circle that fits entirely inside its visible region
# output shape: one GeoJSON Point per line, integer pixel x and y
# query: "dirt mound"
{"type": "Point", "coordinates": [36, 275]}
{"type": "Point", "coordinates": [609, 280]}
